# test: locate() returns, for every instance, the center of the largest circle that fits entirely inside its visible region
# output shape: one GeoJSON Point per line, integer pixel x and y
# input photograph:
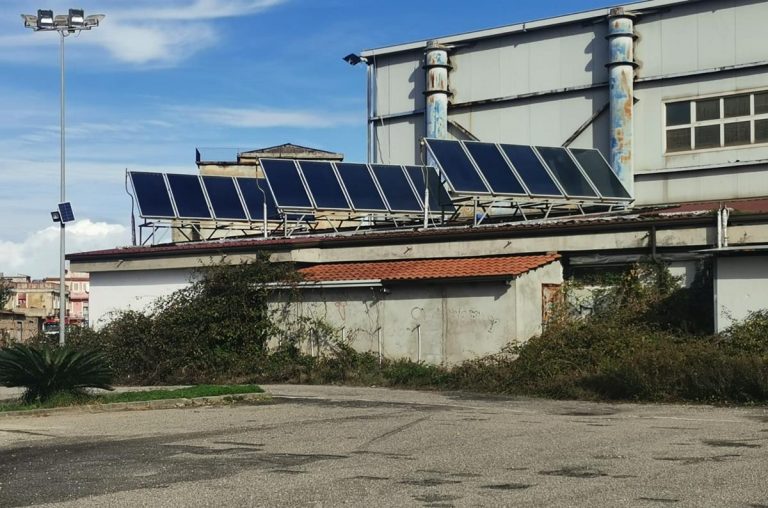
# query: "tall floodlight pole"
{"type": "Point", "coordinates": [64, 24]}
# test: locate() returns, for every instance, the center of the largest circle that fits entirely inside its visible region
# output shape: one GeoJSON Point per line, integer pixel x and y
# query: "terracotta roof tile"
{"type": "Point", "coordinates": [420, 269]}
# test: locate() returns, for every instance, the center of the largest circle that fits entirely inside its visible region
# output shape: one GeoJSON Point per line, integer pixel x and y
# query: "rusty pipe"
{"type": "Point", "coordinates": [436, 90]}
{"type": "Point", "coordinates": [621, 77]}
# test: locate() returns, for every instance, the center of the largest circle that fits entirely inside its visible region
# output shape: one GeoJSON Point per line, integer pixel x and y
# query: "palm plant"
{"type": "Point", "coordinates": [46, 371]}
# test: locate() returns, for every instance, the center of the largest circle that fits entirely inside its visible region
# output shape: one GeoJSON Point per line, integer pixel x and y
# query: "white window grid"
{"type": "Point", "coordinates": [751, 118]}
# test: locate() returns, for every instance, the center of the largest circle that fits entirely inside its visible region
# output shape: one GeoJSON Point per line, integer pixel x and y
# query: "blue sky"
{"type": "Point", "coordinates": [162, 77]}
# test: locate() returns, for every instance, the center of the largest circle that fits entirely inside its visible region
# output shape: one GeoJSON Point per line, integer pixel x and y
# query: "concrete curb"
{"type": "Point", "coordinates": [145, 405]}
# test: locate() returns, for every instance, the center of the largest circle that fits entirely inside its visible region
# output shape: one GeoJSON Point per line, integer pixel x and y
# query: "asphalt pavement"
{"type": "Point", "coordinates": [339, 446]}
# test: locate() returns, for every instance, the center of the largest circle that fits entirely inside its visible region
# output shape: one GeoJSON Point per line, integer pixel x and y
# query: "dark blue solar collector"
{"type": "Point", "coordinates": [426, 176]}
{"type": "Point", "coordinates": [456, 166]}
{"type": "Point", "coordinates": [361, 188]}
{"type": "Point", "coordinates": [533, 173]}
{"type": "Point", "coordinates": [187, 192]}
{"type": "Point", "coordinates": [601, 174]}
{"type": "Point", "coordinates": [396, 188]}
{"type": "Point", "coordinates": [152, 195]}
{"type": "Point", "coordinates": [285, 184]}
{"type": "Point", "coordinates": [500, 177]}
{"type": "Point", "coordinates": [567, 172]}
{"type": "Point", "coordinates": [224, 198]}
{"type": "Point", "coordinates": [324, 185]}
{"type": "Point", "coordinates": [255, 192]}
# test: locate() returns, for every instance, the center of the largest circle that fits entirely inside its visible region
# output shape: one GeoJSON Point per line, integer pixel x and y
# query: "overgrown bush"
{"type": "Point", "coordinates": [216, 329]}
{"type": "Point", "coordinates": [44, 372]}
{"type": "Point", "coordinates": [646, 338]}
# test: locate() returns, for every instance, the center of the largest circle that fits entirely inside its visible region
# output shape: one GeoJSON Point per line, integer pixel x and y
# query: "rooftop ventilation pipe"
{"type": "Point", "coordinates": [621, 76]}
{"type": "Point", "coordinates": [436, 90]}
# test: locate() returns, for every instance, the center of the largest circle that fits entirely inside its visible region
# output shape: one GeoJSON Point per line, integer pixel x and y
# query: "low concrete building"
{"type": "Point", "coordinates": [431, 310]}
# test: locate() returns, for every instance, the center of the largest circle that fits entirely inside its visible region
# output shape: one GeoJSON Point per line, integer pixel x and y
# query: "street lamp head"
{"type": "Point", "coordinates": [45, 19]}
{"type": "Point", "coordinates": [353, 59]}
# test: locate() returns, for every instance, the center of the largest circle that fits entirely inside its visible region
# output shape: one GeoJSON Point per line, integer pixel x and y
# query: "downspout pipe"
{"type": "Point", "coordinates": [436, 91]}
{"type": "Point", "coordinates": [621, 76]}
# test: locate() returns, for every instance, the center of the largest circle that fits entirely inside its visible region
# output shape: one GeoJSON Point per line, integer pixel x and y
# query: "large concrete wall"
{"type": "Point", "coordinates": [134, 290]}
{"type": "Point", "coordinates": [740, 288]}
{"type": "Point", "coordinates": [554, 79]}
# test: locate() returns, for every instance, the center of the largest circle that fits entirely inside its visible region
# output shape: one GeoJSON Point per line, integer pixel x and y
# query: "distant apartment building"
{"type": "Point", "coordinates": [41, 298]}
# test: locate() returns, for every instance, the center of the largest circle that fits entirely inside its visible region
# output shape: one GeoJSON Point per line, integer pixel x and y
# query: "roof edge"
{"type": "Point", "coordinates": [524, 27]}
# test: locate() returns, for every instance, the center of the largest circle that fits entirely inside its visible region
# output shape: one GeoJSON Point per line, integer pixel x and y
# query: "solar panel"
{"type": "Point", "coordinates": [601, 174]}
{"type": "Point", "coordinates": [255, 192]}
{"type": "Point", "coordinates": [531, 170]}
{"type": "Point", "coordinates": [324, 185]}
{"type": "Point", "coordinates": [285, 184]}
{"type": "Point", "coordinates": [421, 176]}
{"type": "Point", "coordinates": [188, 196]}
{"type": "Point", "coordinates": [500, 177]}
{"type": "Point", "coordinates": [65, 212]}
{"type": "Point", "coordinates": [152, 195]}
{"type": "Point", "coordinates": [361, 188]}
{"type": "Point", "coordinates": [224, 198]}
{"type": "Point", "coordinates": [567, 172]}
{"type": "Point", "coordinates": [456, 166]}
{"type": "Point", "coordinates": [396, 188]}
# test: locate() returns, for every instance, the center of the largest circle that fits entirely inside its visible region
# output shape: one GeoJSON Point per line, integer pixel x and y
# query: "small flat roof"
{"type": "Point", "coordinates": [527, 26]}
{"type": "Point", "coordinates": [425, 269]}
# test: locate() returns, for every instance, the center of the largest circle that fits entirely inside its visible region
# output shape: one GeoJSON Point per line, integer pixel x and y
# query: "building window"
{"type": "Point", "coordinates": [716, 122]}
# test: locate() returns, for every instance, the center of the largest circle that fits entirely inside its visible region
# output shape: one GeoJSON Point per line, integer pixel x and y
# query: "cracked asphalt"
{"type": "Point", "coordinates": [336, 446]}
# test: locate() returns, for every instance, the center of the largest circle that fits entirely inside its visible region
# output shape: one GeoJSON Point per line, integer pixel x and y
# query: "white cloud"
{"type": "Point", "coordinates": [144, 34]}
{"type": "Point", "coordinates": [38, 254]}
{"type": "Point", "coordinates": [197, 9]}
{"type": "Point", "coordinates": [267, 117]}
{"type": "Point", "coordinates": [153, 43]}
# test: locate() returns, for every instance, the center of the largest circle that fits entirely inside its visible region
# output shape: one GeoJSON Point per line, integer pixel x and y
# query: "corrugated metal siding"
{"type": "Point", "coordinates": [686, 37]}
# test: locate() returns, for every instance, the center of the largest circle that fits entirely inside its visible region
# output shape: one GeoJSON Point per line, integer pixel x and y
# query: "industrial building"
{"type": "Point", "coordinates": [673, 93]}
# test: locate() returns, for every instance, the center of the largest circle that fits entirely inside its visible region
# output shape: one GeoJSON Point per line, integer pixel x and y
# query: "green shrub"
{"type": "Point", "coordinates": [48, 371]}
{"type": "Point", "coordinates": [215, 330]}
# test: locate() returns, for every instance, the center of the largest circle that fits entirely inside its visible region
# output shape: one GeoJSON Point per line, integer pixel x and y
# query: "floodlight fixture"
{"type": "Point", "coordinates": [56, 216]}
{"type": "Point", "coordinates": [76, 17]}
{"type": "Point", "coordinates": [353, 59]}
{"type": "Point", "coordinates": [45, 20]}
{"type": "Point", "coordinates": [92, 21]}
{"type": "Point", "coordinates": [30, 20]}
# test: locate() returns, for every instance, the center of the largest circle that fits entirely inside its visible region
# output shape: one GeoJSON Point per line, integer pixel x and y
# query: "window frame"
{"type": "Point", "coordinates": [752, 117]}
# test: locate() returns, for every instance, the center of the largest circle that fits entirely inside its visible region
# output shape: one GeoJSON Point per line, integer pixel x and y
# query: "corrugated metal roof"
{"type": "Point", "coordinates": [424, 269]}
{"type": "Point", "coordinates": [527, 26]}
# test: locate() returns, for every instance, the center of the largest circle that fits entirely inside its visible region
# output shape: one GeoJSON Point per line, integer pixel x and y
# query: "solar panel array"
{"type": "Point", "coordinates": [216, 198]}
{"type": "Point", "coordinates": [522, 172]}
{"type": "Point", "coordinates": [312, 190]}
{"type": "Point", "coordinates": [354, 189]}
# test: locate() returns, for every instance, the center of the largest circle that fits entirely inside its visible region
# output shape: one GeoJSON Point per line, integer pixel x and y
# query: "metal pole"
{"type": "Point", "coordinates": [62, 269]}
{"type": "Point", "coordinates": [380, 351]}
{"type": "Point", "coordinates": [418, 349]}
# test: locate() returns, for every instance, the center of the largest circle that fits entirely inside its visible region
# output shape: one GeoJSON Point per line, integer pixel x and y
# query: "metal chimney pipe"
{"type": "Point", "coordinates": [621, 77]}
{"type": "Point", "coordinates": [436, 90]}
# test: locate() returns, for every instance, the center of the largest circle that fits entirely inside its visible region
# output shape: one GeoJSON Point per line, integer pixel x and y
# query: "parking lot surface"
{"type": "Point", "coordinates": [336, 446]}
